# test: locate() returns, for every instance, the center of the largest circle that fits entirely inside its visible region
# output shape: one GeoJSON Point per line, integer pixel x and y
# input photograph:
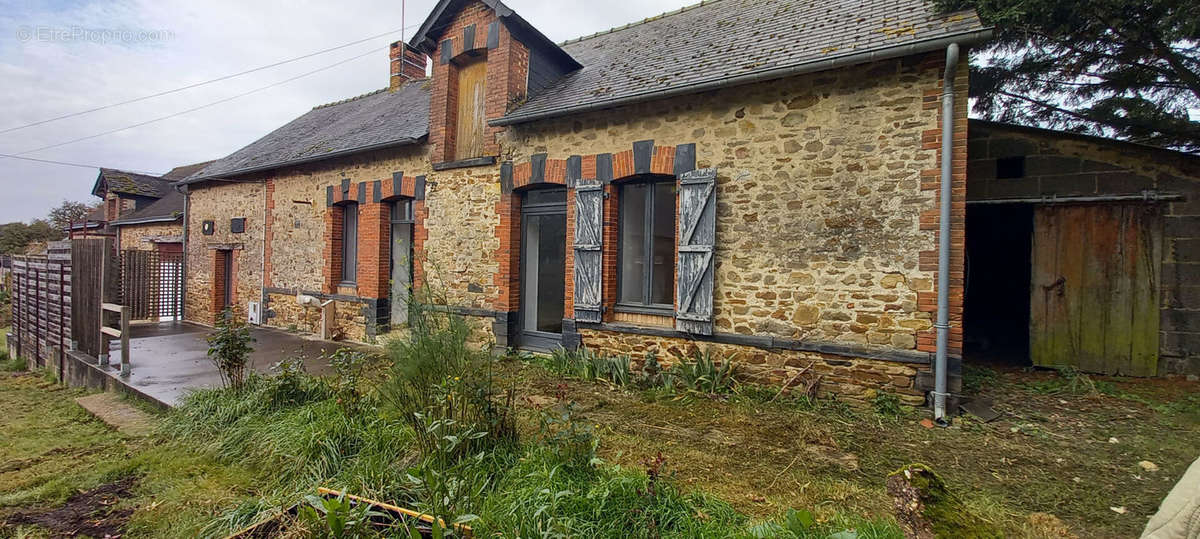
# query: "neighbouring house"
{"type": "Point", "coordinates": [142, 211]}
{"type": "Point", "coordinates": [758, 178]}
{"type": "Point", "coordinates": [1081, 251]}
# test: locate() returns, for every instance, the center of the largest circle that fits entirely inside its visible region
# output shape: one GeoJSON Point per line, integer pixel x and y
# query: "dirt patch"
{"type": "Point", "coordinates": [92, 513]}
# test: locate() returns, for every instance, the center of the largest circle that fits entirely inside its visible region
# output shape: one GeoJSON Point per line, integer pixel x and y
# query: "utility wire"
{"type": "Point", "coordinates": [204, 106]}
{"type": "Point", "coordinates": [198, 84]}
{"type": "Point", "coordinates": [64, 163]}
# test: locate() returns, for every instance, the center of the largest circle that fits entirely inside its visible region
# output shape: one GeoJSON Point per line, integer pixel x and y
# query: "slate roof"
{"type": "Point", "coordinates": [95, 218]}
{"type": "Point", "coordinates": [378, 119]}
{"type": "Point", "coordinates": [131, 183]}
{"type": "Point", "coordinates": [166, 209]}
{"type": "Point", "coordinates": [719, 40]}
{"type": "Point", "coordinates": [179, 173]}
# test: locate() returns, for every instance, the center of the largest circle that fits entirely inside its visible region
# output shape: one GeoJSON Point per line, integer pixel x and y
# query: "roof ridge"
{"type": "Point", "coordinates": [349, 99]}
{"type": "Point", "coordinates": [662, 15]}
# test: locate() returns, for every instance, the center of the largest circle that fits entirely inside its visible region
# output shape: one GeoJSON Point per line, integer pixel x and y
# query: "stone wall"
{"type": "Point", "coordinates": [825, 190]}
{"type": "Point", "coordinates": [459, 259]}
{"type": "Point", "coordinates": [835, 376]}
{"type": "Point", "coordinates": [1065, 164]}
{"type": "Point", "coordinates": [143, 236]}
{"type": "Point", "coordinates": [220, 202]}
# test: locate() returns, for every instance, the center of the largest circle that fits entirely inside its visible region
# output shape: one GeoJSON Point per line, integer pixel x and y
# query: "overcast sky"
{"type": "Point", "coordinates": [64, 56]}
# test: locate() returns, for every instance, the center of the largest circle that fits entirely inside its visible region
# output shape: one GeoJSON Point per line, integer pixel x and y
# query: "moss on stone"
{"type": "Point", "coordinates": [926, 506]}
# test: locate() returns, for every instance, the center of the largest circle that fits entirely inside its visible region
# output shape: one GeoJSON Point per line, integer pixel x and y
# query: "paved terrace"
{"type": "Point", "coordinates": [170, 359]}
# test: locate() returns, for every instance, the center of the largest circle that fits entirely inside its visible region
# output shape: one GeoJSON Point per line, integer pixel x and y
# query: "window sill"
{"type": "Point", "coordinates": [645, 309]}
{"type": "Point", "coordinates": [464, 163]}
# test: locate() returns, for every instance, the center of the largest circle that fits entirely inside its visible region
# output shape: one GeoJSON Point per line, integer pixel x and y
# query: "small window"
{"type": "Point", "coordinates": [647, 245]}
{"type": "Point", "coordinates": [207, 228]}
{"type": "Point", "coordinates": [349, 243]}
{"type": "Point", "coordinates": [402, 211]}
{"type": "Point", "coordinates": [237, 225]}
{"type": "Point", "coordinates": [1010, 167]}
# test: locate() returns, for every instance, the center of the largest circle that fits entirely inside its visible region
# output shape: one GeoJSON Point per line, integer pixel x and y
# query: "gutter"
{"type": "Point", "coordinates": [145, 220]}
{"type": "Point", "coordinates": [303, 160]}
{"type": "Point", "coordinates": [943, 275]}
{"type": "Point", "coordinates": [916, 47]}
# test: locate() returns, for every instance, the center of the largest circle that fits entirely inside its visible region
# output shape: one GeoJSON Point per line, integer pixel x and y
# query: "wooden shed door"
{"type": "Point", "coordinates": [1095, 288]}
{"type": "Point", "coordinates": [471, 96]}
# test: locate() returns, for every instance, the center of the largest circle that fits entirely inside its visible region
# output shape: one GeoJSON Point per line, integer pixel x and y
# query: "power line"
{"type": "Point", "coordinates": [198, 84]}
{"type": "Point", "coordinates": [204, 106]}
{"type": "Point", "coordinates": [64, 163]}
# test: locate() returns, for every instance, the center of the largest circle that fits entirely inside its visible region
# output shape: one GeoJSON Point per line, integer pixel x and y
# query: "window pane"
{"type": "Point", "coordinates": [402, 211]}
{"type": "Point", "coordinates": [350, 242]}
{"type": "Point", "coordinates": [546, 196]}
{"type": "Point", "coordinates": [551, 279]}
{"type": "Point", "coordinates": [663, 273]}
{"type": "Point", "coordinates": [633, 243]}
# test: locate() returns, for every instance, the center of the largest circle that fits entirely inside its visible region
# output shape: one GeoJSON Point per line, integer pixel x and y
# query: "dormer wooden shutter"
{"type": "Point", "coordinates": [697, 239]}
{"type": "Point", "coordinates": [589, 222]}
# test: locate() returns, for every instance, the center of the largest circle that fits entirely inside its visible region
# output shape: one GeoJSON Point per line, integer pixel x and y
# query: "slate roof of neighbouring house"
{"type": "Point", "coordinates": [181, 172]}
{"type": "Point", "coordinates": [721, 40]}
{"type": "Point", "coordinates": [166, 209]}
{"type": "Point", "coordinates": [375, 120]}
{"type": "Point", "coordinates": [95, 218]}
{"type": "Point", "coordinates": [130, 183]}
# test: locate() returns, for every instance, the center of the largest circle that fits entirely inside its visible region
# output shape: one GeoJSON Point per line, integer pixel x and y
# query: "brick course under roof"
{"type": "Point", "coordinates": [724, 39]}
{"type": "Point", "coordinates": [360, 123]}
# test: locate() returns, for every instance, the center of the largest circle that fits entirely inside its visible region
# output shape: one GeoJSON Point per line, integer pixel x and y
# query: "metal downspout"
{"type": "Point", "coordinates": [943, 279]}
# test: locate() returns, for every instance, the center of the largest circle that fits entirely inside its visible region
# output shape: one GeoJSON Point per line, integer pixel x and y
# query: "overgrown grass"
{"type": "Point", "coordinates": [702, 373]}
{"type": "Point", "coordinates": [9, 364]}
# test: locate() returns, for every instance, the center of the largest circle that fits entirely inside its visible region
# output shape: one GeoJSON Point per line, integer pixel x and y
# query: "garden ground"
{"type": "Point", "coordinates": [1071, 454]}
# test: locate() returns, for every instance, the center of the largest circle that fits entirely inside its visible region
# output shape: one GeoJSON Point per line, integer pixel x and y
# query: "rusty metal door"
{"type": "Point", "coordinates": [1094, 293]}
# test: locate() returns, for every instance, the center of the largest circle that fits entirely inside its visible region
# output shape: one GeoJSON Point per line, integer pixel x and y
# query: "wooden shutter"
{"type": "Point", "coordinates": [589, 219]}
{"type": "Point", "coordinates": [697, 237]}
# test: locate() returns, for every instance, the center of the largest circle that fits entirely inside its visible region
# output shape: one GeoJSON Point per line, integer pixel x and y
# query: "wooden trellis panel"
{"type": "Point", "coordinates": [152, 284]}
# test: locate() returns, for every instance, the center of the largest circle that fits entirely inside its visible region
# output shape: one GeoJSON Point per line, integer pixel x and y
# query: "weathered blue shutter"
{"type": "Point", "coordinates": [589, 219]}
{"type": "Point", "coordinates": [697, 238]}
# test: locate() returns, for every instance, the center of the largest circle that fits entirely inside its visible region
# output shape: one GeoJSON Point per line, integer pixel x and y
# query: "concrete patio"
{"type": "Point", "coordinates": [169, 359]}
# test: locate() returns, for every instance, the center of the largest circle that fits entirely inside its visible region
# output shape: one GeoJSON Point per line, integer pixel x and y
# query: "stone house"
{"type": "Point", "coordinates": [1082, 251]}
{"type": "Point", "coordinates": [143, 212]}
{"type": "Point", "coordinates": [762, 179]}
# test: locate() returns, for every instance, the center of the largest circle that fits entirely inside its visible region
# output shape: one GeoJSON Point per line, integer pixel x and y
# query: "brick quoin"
{"type": "Point", "coordinates": [931, 140]}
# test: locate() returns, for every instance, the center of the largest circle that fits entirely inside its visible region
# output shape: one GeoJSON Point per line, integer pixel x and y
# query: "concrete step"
{"type": "Point", "coordinates": [119, 414]}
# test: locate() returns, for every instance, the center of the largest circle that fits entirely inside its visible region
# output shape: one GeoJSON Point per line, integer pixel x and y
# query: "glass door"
{"type": "Point", "coordinates": [401, 263]}
{"type": "Point", "coordinates": [543, 267]}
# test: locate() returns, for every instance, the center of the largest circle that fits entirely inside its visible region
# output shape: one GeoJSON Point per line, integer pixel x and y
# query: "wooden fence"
{"type": "Point", "coordinates": [94, 271]}
{"type": "Point", "coordinates": [41, 305]}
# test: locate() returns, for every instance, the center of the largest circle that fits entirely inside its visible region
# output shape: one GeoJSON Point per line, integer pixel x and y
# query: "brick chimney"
{"type": "Point", "coordinates": [407, 64]}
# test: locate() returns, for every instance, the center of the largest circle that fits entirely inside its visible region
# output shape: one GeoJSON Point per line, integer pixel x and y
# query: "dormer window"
{"type": "Point", "coordinates": [470, 117]}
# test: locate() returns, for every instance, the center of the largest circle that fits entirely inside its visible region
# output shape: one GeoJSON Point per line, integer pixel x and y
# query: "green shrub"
{"type": "Point", "coordinates": [229, 349]}
{"type": "Point", "coordinates": [438, 383]}
{"type": "Point", "coordinates": [887, 405]}
{"type": "Point", "coordinates": [348, 365]}
{"type": "Point", "coordinates": [573, 441]}
{"type": "Point", "coordinates": [336, 517]}
{"type": "Point", "coordinates": [585, 363]}
{"type": "Point", "coordinates": [702, 374]}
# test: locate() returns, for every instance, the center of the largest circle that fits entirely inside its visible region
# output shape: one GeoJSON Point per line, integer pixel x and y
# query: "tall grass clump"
{"type": "Point", "coordinates": [588, 364]}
